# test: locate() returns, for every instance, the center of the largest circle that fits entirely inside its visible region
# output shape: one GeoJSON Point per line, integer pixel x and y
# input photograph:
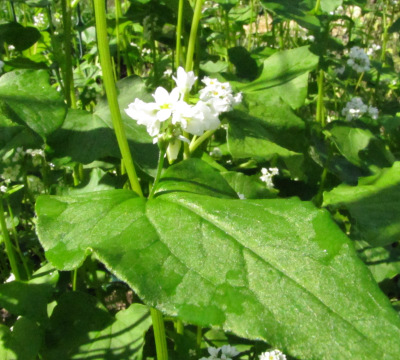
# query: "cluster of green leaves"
{"type": "Point", "coordinates": [271, 270]}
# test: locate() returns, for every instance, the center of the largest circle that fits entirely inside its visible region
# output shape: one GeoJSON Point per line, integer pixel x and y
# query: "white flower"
{"type": "Point", "coordinates": [355, 108]}
{"type": "Point", "coordinates": [3, 188]}
{"type": "Point", "coordinates": [241, 196]}
{"type": "Point", "coordinates": [1, 66]}
{"type": "Point", "coordinates": [38, 20]}
{"type": "Point", "coordinates": [165, 102]}
{"type": "Point", "coordinates": [267, 175]}
{"type": "Point", "coordinates": [184, 80]}
{"type": "Point", "coordinates": [272, 355]}
{"type": "Point", "coordinates": [18, 154]}
{"type": "Point", "coordinates": [340, 70]}
{"type": "Point", "coordinates": [373, 112]}
{"type": "Point", "coordinates": [168, 72]}
{"type": "Point", "coordinates": [11, 173]}
{"type": "Point", "coordinates": [228, 350]}
{"type": "Point", "coordinates": [373, 49]}
{"type": "Point", "coordinates": [11, 47]}
{"type": "Point", "coordinates": [216, 153]}
{"type": "Point", "coordinates": [359, 60]}
{"type": "Point", "coordinates": [145, 114]}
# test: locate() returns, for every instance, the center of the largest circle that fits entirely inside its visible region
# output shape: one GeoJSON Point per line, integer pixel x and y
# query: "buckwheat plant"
{"type": "Point", "coordinates": [267, 175]}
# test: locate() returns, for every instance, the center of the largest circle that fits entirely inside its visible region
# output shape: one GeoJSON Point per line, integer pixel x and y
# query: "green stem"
{"type": "Point", "coordinates": [74, 279]}
{"type": "Point", "coordinates": [197, 141]}
{"type": "Point", "coordinates": [359, 81]}
{"type": "Point", "coordinates": [179, 35]}
{"type": "Point", "coordinates": [199, 337]}
{"type": "Point", "coordinates": [317, 7]}
{"type": "Point", "coordinates": [118, 14]}
{"type": "Point", "coordinates": [320, 116]}
{"type": "Point", "coordinates": [7, 242]}
{"type": "Point", "coordinates": [159, 334]}
{"type": "Point", "coordinates": [111, 92]}
{"type": "Point", "coordinates": [161, 157]}
{"type": "Point", "coordinates": [15, 235]}
{"type": "Point", "coordinates": [68, 73]}
{"type": "Point", "coordinates": [318, 198]}
{"type": "Point", "coordinates": [193, 35]}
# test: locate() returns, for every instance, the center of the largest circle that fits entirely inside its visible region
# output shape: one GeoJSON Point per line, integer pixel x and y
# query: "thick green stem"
{"type": "Point", "coordinates": [179, 35]}
{"type": "Point", "coordinates": [111, 92]}
{"type": "Point", "coordinates": [8, 243]}
{"type": "Point", "coordinates": [198, 141]}
{"type": "Point", "coordinates": [118, 14]}
{"type": "Point", "coordinates": [68, 73]}
{"type": "Point", "coordinates": [193, 34]}
{"type": "Point", "coordinates": [159, 170]}
{"type": "Point", "coordinates": [159, 334]}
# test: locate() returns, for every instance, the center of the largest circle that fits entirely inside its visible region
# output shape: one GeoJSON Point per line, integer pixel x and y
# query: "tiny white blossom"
{"type": "Point", "coordinates": [216, 153]}
{"type": "Point", "coordinates": [18, 154]}
{"type": "Point", "coordinates": [11, 47]}
{"type": "Point", "coordinates": [374, 48]}
{"type": "Point", "coordinates": [3, 188]}
{"type": "Point", "coordinates": [267, 175]}
{"type": "Point", "coordinates": [358, 60]}
{"type": "Point", "coordinates": [168, 72]}
{"type": "Point", "coordinates": [272, 355]}
{"type": "Point", "coordinates": [38, 20]}
{"type": "Point", "coordinates": [373, 112]}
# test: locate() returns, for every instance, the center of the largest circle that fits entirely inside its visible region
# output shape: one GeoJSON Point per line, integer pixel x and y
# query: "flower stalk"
{"type": "Point", "coordinates": [111, 92]}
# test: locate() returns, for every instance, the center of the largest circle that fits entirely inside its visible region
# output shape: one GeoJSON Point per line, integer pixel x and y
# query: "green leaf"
{"type": "Point", "coordinates": [20, 37]}
{"type": "Point", "coordinates": [384, 262]}
{"type": "Point", "coordinates": [248, 186]}
{"type": "Point", "coordinates": [30, 298]}
{"type": "Point", "coordinates": [195, 176]}
{"type": "Point", "coordinates": [26, 97]}
{"type": "Point", "coordinates": [330, 5]}
{"type": "Point", "coordinates": [297, 10]}
{"type": "Point", "coordinates": [278, 270]}
{"type": "Point", "coordinates": [373, 204]}
{"type": "Point", "coordinates": [80, 328]}
{"type": "Point", "coordinates": [285, 75]}
{"type": "Point", "coordinates": [23, 343]}
{"type": "Point", "coordinates": [395, 27]}
{"type": "Point", "coordinates": [264, 139]}
{"type": "Point", "coordinates": [246, 66]}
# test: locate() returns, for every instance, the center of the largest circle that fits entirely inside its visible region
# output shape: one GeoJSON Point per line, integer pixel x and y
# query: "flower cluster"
{"type": "Point", "coordinates": [38, 20]}
{"type": "Point", "coordinates": [171, 113]}
{"type": "Point", "coordinates": [267, 175]}
{"type": "Point", "coordinates": [272, 355]}
{"type": "Point", "coordinates": [227, 353]}
{"type": "Point", "coordinates": [359, 60]}
{"type": "Point", "coordinates": [355, 108]}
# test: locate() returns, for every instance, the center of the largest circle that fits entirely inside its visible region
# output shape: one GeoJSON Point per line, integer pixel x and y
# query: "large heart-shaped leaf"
{"type": "Point", "coordinates": [373, 204]}
{"type": "Point", "coordinates": [18, 36]}
{"type": "Point", "coordinates": [284, 75]}
{"type": "Point", "coordinates": [26, 97]}
{"type": "Point", "coordinates": [279, 270]}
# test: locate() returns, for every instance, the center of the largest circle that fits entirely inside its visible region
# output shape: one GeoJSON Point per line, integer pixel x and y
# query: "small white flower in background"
{"type": "Point", "coordinates": [272, 355]}
{"type": "Point", "coordinates": [359, 60]}
{"type": "Point", "coordinates": [267, 175]}
{"type": "Point", "coordinates": [355, 108]}
{"type": "Point", "coordinates": [340, 70]}
{"type": "Point", "coordinates": [3, 188]}
{"type": "Point", "coordinates": [11, 173]}
{"type": "Point", "coordinates": [1, 66]}
{"type": "Point", "coordinates": [227, 352]}
{"type": "Point", "coordinates": [10, 279]}
{"type": "Point", "coordinates": [374, 48]}
{"type": "Point", "coordinates": [11, 47]}
{"type": "Point", "coordinates": [216, 153]}
{"type": "Point", "coordinates": [168, 72]}
{"type": "Point", "coordinates": [18, 154]}
{"type": "Point", "coordinates": [37, 155]}
{"type": "Point", "coordinates": [38, 20]}
{"type": "Point", "coordinates": [373, 112]}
